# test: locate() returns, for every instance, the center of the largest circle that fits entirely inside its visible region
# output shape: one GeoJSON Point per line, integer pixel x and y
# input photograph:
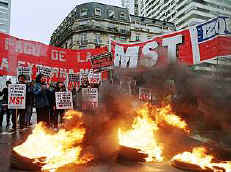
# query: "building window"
{"type": "Point", "coordinates": [137, 37]}
{"type": "Point", "coordinates": [111, 13]}
{"type": "Point", "coordinates": [122, 15]}
{"type": "Point", "coordinates": [122, 38]}
{"type": "Point", "coordinates": [98, 38]}
{"type": "Point", "coordinates": [83, 12]}
{"type": "Point", "coordinates": [83, 37]}
{"type": "Point", "coordinates": [98, 12]}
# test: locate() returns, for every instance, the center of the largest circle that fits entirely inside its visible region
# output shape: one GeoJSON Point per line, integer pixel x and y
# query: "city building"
{"type": "Point", "coordinates": [5, 8]}
{"type": "Point", "coordinates": [92, 24]}
{"type": "Point", "coordinates": [184, 13]}
{"type": "Point", "coordinates": [131, 5]}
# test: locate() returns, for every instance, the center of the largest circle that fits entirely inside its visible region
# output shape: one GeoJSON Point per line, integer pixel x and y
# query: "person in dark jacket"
{"type": "Point", "coordinates": [29, 103]}
{"type": "Point", "coordinates": [60, 87]}
{"type": "Point", "coordinates": [5, 109]}
{"type": "Point", "coordinates": [41, 93]}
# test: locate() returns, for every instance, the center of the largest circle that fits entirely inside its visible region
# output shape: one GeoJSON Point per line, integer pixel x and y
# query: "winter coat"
{"type": "Point", "coordinates": [41, 96]}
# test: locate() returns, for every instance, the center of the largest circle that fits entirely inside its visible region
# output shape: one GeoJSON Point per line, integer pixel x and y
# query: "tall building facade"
{"type": "Point", "coordinates": [5, 9]}
{"type": "Point", "coordinates": [184, 13]}
{"type": "Point", "coordinates": [131, 5]}
{"type": "Point", "coordinates": [92, 24]}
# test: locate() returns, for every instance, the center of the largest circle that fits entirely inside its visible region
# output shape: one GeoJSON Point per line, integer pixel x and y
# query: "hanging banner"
{"type": "Point", "coordinates": [64, 100]}
{"type": "Point", "coordinates": [16, 52]}
{"type": "Point", "coordinates": [17, 96]}
{"type": "Point", "coordinates": [145, 94]}
{"type": "Point", "coordinates": [90, 97]}
{"type": "Point", "coordinates": [26, 71]}
{"type": "Point", "coordinates": [190, 46]}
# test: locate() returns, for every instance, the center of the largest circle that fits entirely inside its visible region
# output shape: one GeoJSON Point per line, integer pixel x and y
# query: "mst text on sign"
{"type": "Point", "coordinates": [17, 96]}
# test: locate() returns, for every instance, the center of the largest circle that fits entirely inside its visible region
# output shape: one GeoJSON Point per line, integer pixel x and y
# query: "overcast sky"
{"type": "Point", "coordinates": [37, 19]}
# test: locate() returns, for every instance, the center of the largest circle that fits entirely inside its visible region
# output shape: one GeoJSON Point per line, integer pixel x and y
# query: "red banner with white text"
{"type": "Point", "coordinates": [190, 46]}
{"type": "Point", "coordinates": [16, 52]}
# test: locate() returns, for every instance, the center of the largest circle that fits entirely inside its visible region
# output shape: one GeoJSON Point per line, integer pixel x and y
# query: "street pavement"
{"type": "Point", "coordinates": [8, 140]}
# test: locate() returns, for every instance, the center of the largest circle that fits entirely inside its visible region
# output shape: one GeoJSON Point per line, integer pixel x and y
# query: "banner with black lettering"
{"type": "Point", "coordinates": [64, 100]}
{"type": "Point", "coordinates": [17, 96]}
{"type": "Point", "coordinates": [90, 97]}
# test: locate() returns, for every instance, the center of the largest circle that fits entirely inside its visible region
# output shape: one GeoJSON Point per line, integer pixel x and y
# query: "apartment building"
{"type": "Point", "coordinates": [5, 8]}
{"type": "Point", "coordinates": [131, 5]}
{"type": "Point", "coordinates": [184, 13]}
{"type": "Point", "coordinates": [92, 24]}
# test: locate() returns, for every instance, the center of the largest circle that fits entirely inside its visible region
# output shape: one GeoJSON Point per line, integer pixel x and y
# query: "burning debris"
{"type": "Point", "coordinates": [124, 129]}
{"type": "Point", "coordinates": [51, 150]}
{"type": "Point", "coordinates": [200, 160]}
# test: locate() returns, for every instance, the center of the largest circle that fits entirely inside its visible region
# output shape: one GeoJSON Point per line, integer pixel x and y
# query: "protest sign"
{"type": "Point", "coordinates": [145, 94]}
{"type": "Point", "coordinates": [73, 81]}
{"type": "Point", "coordinates": [102, 61]}
{"type": "Point", "coordinates": [94, 78]}
{"type": "Point", "coordinates": [45, 71]}
{"type": "Point", "coordinates": [26, 71]}
{"type": "Point", "coordinates": [64, 100]}
{"type": "Point", "coordinates": [84, 79]}
{"type": "Point", "coordinates": [90, 98]}
{"type": "Point", "coordinates": [16, 96]}
{"type": "Point", "coordinates": [73, 77]}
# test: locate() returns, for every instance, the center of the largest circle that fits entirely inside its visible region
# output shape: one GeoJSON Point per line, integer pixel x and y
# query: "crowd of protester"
{"type": "Point", "coordinates": [40, 95]}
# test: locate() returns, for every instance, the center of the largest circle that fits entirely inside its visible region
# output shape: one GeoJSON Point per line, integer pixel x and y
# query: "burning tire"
{"type": "Point", "coordinates": [23, 163]}
{"type": "Point", "coordinates": [189, 167]}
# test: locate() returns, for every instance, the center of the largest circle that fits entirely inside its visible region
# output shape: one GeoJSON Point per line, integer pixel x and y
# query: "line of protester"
{"type": "Point", "coordinates": [39, 94]}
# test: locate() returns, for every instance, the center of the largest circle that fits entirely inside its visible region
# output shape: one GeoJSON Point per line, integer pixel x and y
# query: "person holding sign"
{"type": "Point", "coordinates": [60, 87]}
{"type": "Point", "coordinates": [21, 112]}
{"type": "Point", "coordinates": [42, 93]}
{"type": "Point", "coordinates": [5, 109]}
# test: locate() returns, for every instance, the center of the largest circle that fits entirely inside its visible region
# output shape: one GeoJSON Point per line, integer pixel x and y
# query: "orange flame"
{"type": "Point", "coordinates": [142, 137]}
{"type": "Point", "coordinates": [142, 134]}
{"type": "Point", "coordinates": [165, 114]}
{"type": "Point", "coordinates": [57, 148]}
{"type": "Point", "coordinates": [199, 157]}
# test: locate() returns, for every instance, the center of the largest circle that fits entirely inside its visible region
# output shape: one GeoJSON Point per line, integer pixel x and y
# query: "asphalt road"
{"type": "Point", "coordinates": [7, 140]}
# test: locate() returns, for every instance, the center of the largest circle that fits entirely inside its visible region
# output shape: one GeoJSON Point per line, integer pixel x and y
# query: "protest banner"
{"type": "Point", "coordinates": [16, 96]}
{"type": "Point", "coordinates": [90, 97]}
{"type": "Point", "coordinates": [64, 100]}
{"type": "Point", "coordinates": [145, 94]}
{"type": "Point", "coordinates": [26, 71]}
{"type": "Point", "coordinates": [190, 46]}
{"type": "Point", "coordinates": [16, 52]}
